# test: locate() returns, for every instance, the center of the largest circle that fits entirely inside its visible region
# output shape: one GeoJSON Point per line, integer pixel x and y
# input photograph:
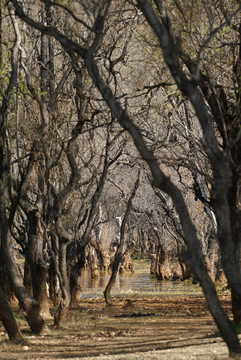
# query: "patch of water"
{"type": "Point", "coordinates": [139, 283]}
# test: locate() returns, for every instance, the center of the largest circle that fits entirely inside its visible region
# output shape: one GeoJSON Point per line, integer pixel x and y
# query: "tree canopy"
{"type": "Point", "coordinates": [92, 96]}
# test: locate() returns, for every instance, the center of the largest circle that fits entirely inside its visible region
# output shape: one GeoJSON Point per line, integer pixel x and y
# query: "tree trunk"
{"type": "Point", "coordinates": [92, 257]}
{"type": "Point", "coordinates": [4, 279]}
{"type": "Point", "coordinates": [8, 320]}
{"type": "Point", "coordinates": [119, 252]}
{"type": "Point", "coordinates": [75, 274]}
{"type": "Point", "coordinates": [102, 255]}
{"type": "Point", "coordinates": [39, 269]}
{"type": "Point", "coordinates": [27, 280]}
{"type": "Point", "coordinates": [176, 272]}
{"type": "Point", "coordinates": [153, 264]}
{"type": "Point", "coordinates": [75, 286]}
{"type": "Point", "coordinates": [54, 288]}
{"type": "Point", "coordinates": [212, 255]}
{"type": "Point", "coordinates": [112, 280]}
{"type": "Point", "coordinates": [235, 208]}
{"type": "Point", "coordinates": [236, 307]}
{"type": "Point", "coordinates": [28, 304]}
{"type": "Point", "coordinates": [162, 270]}
{"type": "Point", "coordinates": [225, 326]}
{"type": "Point", "coordinates": [186, 273]}
{"type": "Point", "coordinates": [65, 301]}
{"type": "Point", "coordinates": [126, 263]}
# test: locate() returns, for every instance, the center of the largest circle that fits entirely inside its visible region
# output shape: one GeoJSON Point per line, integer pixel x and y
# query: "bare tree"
{"type": "Point", "coordinates": [120, 247]}
{"type": "Point", "coordinates": [219, 156]}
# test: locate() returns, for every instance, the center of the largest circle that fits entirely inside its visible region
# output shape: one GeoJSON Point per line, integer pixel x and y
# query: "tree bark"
{"type": "Point", "coordinates": [8, 320]}
{"type": "Point", "coordinates": [75, 286]}
{"type": "Point", "coordinates": [235, 208]}
{"type": "Point", "coordinates": [65, 301]}
{"type": "Point", "coordinates": [28, 304]}
{"type": "Point", "coordinates": [38, 266]}
{"type": "Point", "coordinates": [163, 271]}
{"type": "Point", "coordinates": [112, 280]}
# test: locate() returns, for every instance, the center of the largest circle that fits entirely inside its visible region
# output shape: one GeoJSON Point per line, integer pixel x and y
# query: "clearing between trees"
{"type": "Point", "coordinates": [144, 328]}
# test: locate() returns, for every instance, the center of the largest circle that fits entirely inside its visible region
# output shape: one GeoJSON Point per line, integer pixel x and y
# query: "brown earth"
{"type": "Point", "coordinates": [133, 325]}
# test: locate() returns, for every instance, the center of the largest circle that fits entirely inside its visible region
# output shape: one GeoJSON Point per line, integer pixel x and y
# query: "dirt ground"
{"type": "Point", "coordinates": [132, 326]}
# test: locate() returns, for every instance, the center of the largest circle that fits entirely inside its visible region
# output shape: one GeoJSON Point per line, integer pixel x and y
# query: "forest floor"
{"type": "Point", "coordinates": [134, 328]}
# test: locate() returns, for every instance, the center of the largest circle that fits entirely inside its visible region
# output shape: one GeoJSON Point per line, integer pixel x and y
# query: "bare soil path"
{"type": "Point", "coordinates": [134, 328]}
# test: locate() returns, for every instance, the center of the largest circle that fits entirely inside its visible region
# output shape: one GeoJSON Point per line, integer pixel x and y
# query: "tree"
{"type": "Point", "coordinates": [218, 154]}
{"type": "Point", "coordinates": [9, 322]}
{"type": "Point", "coordinates": [120, 246]}
{"type": "Point", "coordinates": [30, 306]}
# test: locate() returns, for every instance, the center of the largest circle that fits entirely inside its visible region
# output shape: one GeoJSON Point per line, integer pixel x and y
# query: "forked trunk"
{"type": "Point", "coordinates": [28, 304]}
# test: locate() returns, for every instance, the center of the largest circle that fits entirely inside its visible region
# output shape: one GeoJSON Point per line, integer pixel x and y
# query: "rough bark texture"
{"type": "Point", "coordinates": [186, 273]}
{"type": "Point", "coordinates": [65, 301]}
{"type": "Point", "coordinates": [8, 320]}
{"type": "Point", "coordinates": [39, 269]}
{"type": "Point", "coordinates": [126, 263]}
{"type": "Point", "coordinates": [4, 279]}
{"type": "Point", "coordinates": [76, 291]}
{"type": "Point", "coordinates": [27, 303]}
{"type": "Point", "coordinates": [54, 288]}
{"type": "Point", "coordinates": [177, 272]}
{"type": "Point", "coordinates": [162, 269]}
{"type": "Point", "coordinates": [93, 263]}
{"type": "Point", "coordinates": [102, 255]}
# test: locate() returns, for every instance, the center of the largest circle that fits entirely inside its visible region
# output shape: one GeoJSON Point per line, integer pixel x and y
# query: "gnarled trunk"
{"type": "Point", "coordinates": [186, 272]}
{"type": "Point", "coordinates": [126, 263]}
{"type": "Point", "coordinates": [162, 271]}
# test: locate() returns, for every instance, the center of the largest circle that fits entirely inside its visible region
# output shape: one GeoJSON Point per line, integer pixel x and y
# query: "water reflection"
{"type": "Point", "coordinates": [134, 284]}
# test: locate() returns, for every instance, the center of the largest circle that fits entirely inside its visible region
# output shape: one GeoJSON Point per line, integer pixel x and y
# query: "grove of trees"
{"type": "Point", "coordinates": [118, 109]}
